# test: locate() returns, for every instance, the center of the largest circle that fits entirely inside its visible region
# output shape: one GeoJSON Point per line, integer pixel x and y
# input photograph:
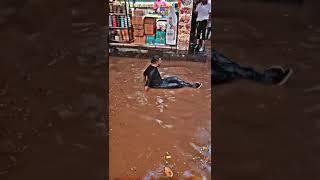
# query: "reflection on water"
{"type": "Point", "coordinates": [161, 104]}
{"type": "Point", "coordinates": [176, 121]}
{"type": "Point", "coordinates": [162, 124]}
{"type": "Point", "coordinates": [203, 158]}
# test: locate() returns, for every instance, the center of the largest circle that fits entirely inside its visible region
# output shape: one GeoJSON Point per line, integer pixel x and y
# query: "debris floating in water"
{"type": "Point", "coordinates": [158, 121]}
{"type": "Point", "coordinates": [203, 157]}
{"type": "Point", "coordinates": [168, 172]}
{"type": "Point", "coordinates": [169, 126]}
{"type": "Point", "coordinates": [167, 156]}
{"type": "Point", "coordinates": [161, 104]}
{"type": "Point", "coordinates": [140, 97]}
{"type": "Point", "coordinates": [172, 98]}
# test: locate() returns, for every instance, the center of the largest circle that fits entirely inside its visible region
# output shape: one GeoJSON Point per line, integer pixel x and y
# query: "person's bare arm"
{"type": "Point", "coordinates": [146, 89]}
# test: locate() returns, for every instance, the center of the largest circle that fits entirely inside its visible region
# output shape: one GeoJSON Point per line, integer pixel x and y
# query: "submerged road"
{"type": "Point", "coordinates": [143, 128]}
{"type": "Point", "coordinates": [268, 132]}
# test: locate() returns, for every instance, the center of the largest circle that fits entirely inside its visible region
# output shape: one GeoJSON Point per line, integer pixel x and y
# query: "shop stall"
{"type": "Point", "coordinates": [153, 24]}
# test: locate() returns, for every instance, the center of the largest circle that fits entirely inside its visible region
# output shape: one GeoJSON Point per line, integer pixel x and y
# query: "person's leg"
{"type": "Point", "coordinates": [173, 86]}
{"type": "Point", "coordinates": [203, 33]}
{"type": "Point", "coordinates": [198, 41]}
{"type": "Point", "coordinates": [208, 33]}
{"type": "Point", "coordinates": [219, 58]}
{"type": "Point", "coordinates": [175, 82]}
{"type": "Point", "coordinates": [198, 33]}
{"type": "Point", "coordinates": [278, 75]}
{"type": "Point", "coordinates": [169, 83]}
{"type": "Point", "coordinates": [178, 81]}
{"type": "Point", "coordinates": [223, 69]}
{"type": "Point", "coordinates": [219, 76]}
{"type": "Point", "coordinates": [227, 70]}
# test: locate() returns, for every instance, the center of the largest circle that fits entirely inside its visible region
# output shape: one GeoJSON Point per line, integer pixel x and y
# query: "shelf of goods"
{"type": "Point", "coordinates": [146, 4]}
{"type": "Point", "coordinates": [149, 26]}
{"type": "Point", "coordinates": [140, 24]}
{"type": "Point", "coordinates": [119, 22]}
{"type": "Point", "coordinates": [144, 46]}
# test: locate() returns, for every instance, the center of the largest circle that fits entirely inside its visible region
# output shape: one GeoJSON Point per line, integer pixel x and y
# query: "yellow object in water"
{"type": "Point", "coordinates": [168, 172]}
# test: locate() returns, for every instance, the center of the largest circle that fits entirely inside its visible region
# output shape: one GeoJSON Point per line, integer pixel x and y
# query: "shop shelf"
{"type": "Point", "coordinates": [120, 14]}
{"type": "Point", "coordinates": [119, 27]}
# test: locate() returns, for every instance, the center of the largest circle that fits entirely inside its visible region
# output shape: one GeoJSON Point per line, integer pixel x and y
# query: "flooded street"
{"type": "Point", "coordinates": [267, 132]}
{"type": "Point", "coordinates": [144, 129]}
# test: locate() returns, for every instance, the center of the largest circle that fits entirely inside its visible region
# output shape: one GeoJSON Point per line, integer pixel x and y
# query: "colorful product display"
{"type": "Point", "coordinates": [120, 35]}
{"type": "Point", "coordinates": [119, 22]}
{"type": "Point", "coordinates": [160, 37]}
{"type": "Point", "coordinates": [184, 24]}
{"type": "Point", "coordinates": [150, 40]}
{"type": "Point", "coordinates": [151, 22]}
{"type": "Point", "coordinates": [171, 31]}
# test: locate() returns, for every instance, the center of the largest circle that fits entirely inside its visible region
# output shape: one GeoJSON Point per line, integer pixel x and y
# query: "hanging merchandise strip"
{"type": "Point", "coordinates": [185, 12]}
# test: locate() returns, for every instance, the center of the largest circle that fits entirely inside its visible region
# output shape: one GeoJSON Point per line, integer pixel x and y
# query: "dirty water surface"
{"type": "Point", "coordinates": [164, 128]}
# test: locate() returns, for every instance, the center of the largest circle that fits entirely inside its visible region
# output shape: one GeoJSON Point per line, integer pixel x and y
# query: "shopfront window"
{"type": "Point", "coordinates": [156, 23]}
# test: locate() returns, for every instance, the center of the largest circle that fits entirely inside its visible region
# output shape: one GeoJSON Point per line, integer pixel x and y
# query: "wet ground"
{"type": "Point", "coordinates": [143, 128]}
{"type": "Point", "coordinates": [275, 135]}
{"type": "Point", "coordinates": [52, 91]}
{"type": "Point", "coordinates": [267, 132]}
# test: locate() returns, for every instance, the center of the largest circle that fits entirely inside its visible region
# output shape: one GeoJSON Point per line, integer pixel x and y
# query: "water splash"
{"type": "Point", "coordinates": [169, 126]}
{"type": "Point", "coordinates": [155, 174]}
{"type": "Point", "coordinates": [141, 98]}
{"type": "Point", "coordinates": [161, 104]}
{"type": "Point", "coordinates": [158, 172]}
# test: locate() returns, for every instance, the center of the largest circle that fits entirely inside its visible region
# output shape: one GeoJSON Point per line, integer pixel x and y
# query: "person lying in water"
{"type": "Point", "coordinates": [224, 70]}
{"type": "Point", "coordinates": [153, 78]}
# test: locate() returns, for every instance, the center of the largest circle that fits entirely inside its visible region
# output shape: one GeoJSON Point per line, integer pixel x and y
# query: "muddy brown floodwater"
{"type": "Point", "coordinates": [143, 128]}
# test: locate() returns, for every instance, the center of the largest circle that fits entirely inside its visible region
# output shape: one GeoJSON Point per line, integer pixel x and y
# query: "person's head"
{"type": "Point", "coordinates": [156, 60]}
{"type": "Point", "coordinates": [204, 1]}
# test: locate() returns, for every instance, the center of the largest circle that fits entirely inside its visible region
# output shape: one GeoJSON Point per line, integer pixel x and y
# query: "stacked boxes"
{"type": "Point", "coordinates": [138, 12]}
{"type": "Point", "coordinates": [149, 30]}
{"type": "Point", "coordinates": [149, 26]}
{"type": "Point", "coordinates": [137, 20]}
{"type": "Point", "coordinates": [144, 28]}
{"type": "Point", "coordinates": [138, 31]}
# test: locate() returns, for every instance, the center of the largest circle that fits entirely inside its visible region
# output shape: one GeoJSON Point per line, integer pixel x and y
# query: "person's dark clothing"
{"type": "Point", "coordinates": [201, 29]}
{"type": "Point", "coordinates": [153, 76]}
{"type": "Point", "coordinates": [224, 70]}
{"type": "Point", "coordinates": [174, 82]}
{"type": "Point", "coordinates": [154, 80]}
{"type": "Point", "coordinates": [208, 32]}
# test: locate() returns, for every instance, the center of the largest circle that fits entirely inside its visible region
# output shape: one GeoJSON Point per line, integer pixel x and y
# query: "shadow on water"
{"type": "Point", "coordinates": [163, 128]}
